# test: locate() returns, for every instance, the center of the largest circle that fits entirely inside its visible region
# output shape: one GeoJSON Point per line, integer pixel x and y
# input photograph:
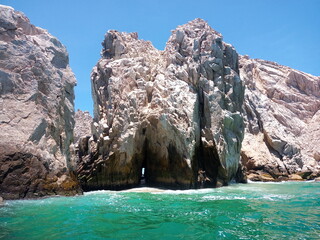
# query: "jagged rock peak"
{"type": "Point", "coordinates": [172, 112]}
{"type": "Point", "coordinates": [14, 20]}
{"type": "Point", "coordinates": [197, 28]}
{"type": "Point", "coordinates": [119, 44]}
{"type": "Point", "coordinates": [36, 110]}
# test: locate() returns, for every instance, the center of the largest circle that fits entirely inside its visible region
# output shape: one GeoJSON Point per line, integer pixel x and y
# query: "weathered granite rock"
{"type": "Point", "coordinates": [82, 127]}
{"type": "Point", "coordinates": [282, 115]}
{"type": "Point", "coordinates": [82, 132]}
{"type": "Point", "coordinates": [36, 111]}
{"type": "Point", "coordinates": [172, 112]}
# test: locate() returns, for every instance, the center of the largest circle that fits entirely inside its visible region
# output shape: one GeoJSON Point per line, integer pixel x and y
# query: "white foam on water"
{"type": "Point", "coordinates": [254, 182]}
{"type": "Point", "coordinates": [214, 198]}
{"type": "Point", "coordinates": [153, 190]}
{"type": "Point", "coordinates": [276, 197]}
{"type": "Point", "coordinates": [282, 182]}
{"type": "Point", "coordinates": [144, 189]}
{"type": "Point", "coordinates": [186, 192]}
{"type": "Point", "coordinates": [139, 190]}
{"type": "Point", "coordinates": [247, 186]}
{"type": "Point", "coordinates": [97, 192]}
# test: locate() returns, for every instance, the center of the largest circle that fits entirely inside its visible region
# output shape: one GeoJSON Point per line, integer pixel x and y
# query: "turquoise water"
{"type": "Point", "coordinates": [240, 211]}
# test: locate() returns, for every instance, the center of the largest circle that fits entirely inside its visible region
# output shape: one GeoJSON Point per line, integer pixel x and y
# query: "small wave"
{"type": "Point", "coordinates": [275, 197]}
{"type": "Point", "coordinates": [281, 182]}
{"type": "Point", "coordinates": [36, 201]}
{"type": "Point", "coordinates": [151, 190]}
{"type": "Point", "coordinates": [97, 192]}
{"type": "Point", "coordinates": [186, 192]}
{"type": "Point", "coordinates": [214, 198]}
{"type": "Point", "coordinates": [144, 189]}
{"type": "Point", "coordinates": [257, 182]}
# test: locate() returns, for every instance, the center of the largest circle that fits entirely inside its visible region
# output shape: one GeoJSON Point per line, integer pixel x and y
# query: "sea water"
{"type": "Point", "coordinates": [288, 210]}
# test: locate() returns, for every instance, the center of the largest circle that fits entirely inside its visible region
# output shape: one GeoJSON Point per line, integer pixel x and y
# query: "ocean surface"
{"type": "Point", "coordinates": [288, 210]}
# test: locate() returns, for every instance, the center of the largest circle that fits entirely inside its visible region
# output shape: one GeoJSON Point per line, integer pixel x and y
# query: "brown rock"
{"type": "Point", "coordinates": [266, 177]}
{"type": "Point", "coordinates": [295, 177]}
{"type": "Point", "coordinates": [259, 176]}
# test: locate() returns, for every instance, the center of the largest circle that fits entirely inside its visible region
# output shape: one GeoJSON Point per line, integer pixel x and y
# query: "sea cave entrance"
{"type": "Point", "coordinates": [147, 166]}
{"type": "Point", "coordinates": [142, 178]}
{"type": "Point", "coordinates": [142, 169]}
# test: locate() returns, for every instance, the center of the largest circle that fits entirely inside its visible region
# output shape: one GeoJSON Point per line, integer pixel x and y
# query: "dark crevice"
{"type": "Point", "coordinates": [208, 158]}
{"type": "Point", "coordinates": [210, 163]}
{"type": "Point", "coordinates": [144, 167]}
{"type": "Point", "coordinates": [149, 96]}
{"type": "Point", "coordinates": [60, 143]}
{"type": "Point", "coordinates": [201, 108]}
{"type": "Point", "coordinates": [260, 123]}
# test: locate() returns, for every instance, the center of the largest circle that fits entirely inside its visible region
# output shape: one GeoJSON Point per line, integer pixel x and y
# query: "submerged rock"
{"type": "Point", "coordinates": [282, 115]}
{"type": "Point", "coordinates": [36, 113]}
{"type": "Point", "coordinates": [171, 112]}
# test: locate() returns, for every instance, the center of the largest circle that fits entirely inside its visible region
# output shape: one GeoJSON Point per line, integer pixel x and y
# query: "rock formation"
{"type": "Point", "coordinates": [82, 133]}
{"type": "Point", "coordinates": [172, 112]}
{"type": "Point", "coordinates": [36, 111]}
{"type": "Point", "coordinates": [176, 113]}
{"type": "Point", "coordinates": [282, 115]}
{"type": "Point", "coordinates": [82, 127]}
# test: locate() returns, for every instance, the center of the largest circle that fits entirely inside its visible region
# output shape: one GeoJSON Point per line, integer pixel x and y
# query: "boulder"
{"type": "Point", "coordinates": [171, 113]}
{"type": "Point", "coordinates": [295, 177]}
{"type": "Point", "coordinates": [260, 176]}
{"type": "Point", "coordinates": [36, 111]}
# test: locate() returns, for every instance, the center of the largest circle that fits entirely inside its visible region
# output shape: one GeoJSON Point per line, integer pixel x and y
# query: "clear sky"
{"type": "Point", "coordinates": [284, 31]}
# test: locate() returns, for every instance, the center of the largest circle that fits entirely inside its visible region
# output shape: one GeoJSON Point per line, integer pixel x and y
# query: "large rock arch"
{"type": "Point", "coordinates": [173, 112]}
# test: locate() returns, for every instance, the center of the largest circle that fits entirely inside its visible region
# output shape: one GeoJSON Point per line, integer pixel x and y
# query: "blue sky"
{"type": "Point", "coordinates": [284, 31]}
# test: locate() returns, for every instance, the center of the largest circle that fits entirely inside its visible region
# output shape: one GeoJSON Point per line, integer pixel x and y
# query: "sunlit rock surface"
{"type": "Point", "coordinates": [172, 112]}
{"type": "Point", "coordinates": [82, 127]}
{"type": "Point", "coordinates": [36, 111]}
{"type": "Point", "coordinates": [282, 115]}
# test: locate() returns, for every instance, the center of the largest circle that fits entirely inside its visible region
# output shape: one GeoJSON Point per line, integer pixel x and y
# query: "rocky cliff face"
{"type": "Point", "coordinates": [36, 110]}
{"type": "Point", "coordinates": [82, 133]}
{"type": "Point", "coordinates": [172, 112]}
{"type": "Point", "coordinates": [282, 114]}
{"type": "Point", "coordinates": [82, 127]}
